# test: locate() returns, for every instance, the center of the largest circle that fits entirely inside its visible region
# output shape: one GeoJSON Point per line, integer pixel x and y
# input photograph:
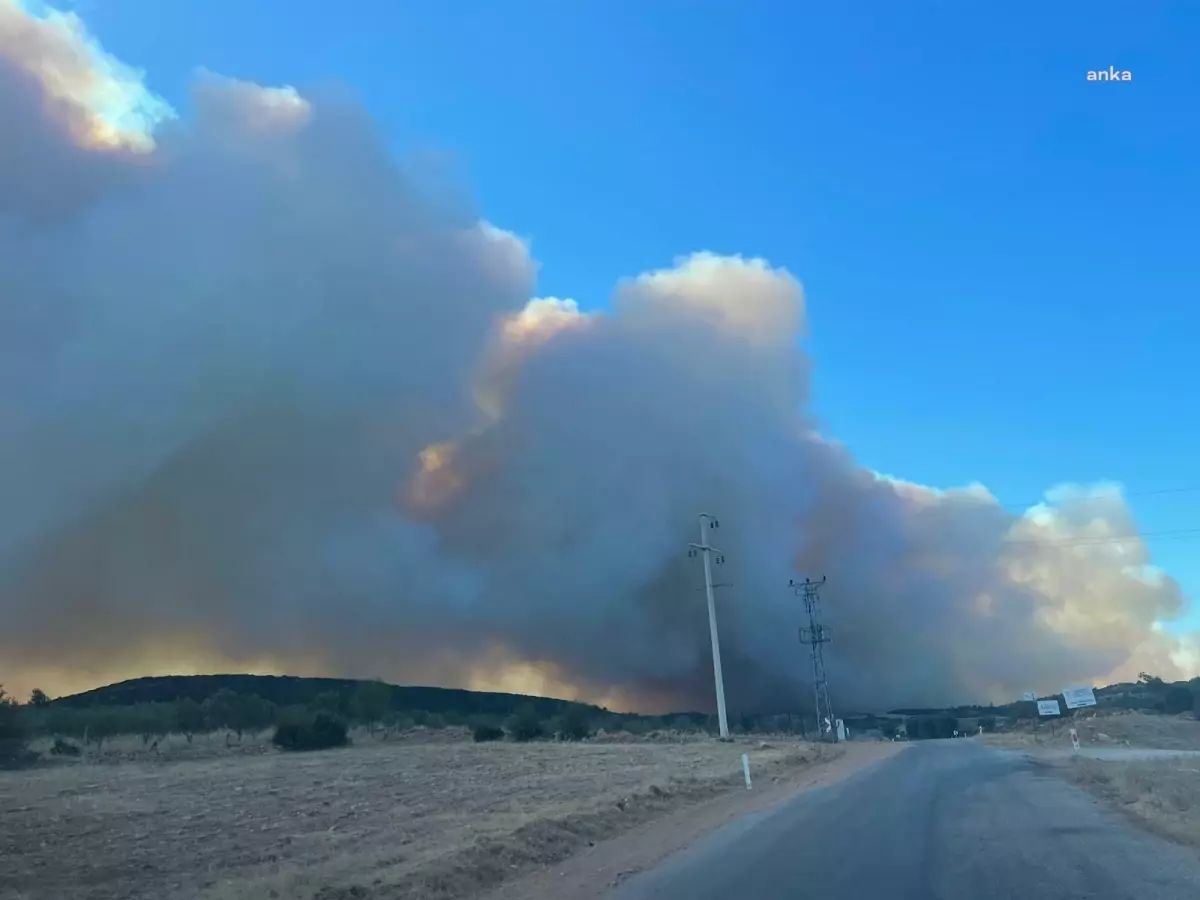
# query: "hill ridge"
{"type": "Point", "coordinates": [289, 690]}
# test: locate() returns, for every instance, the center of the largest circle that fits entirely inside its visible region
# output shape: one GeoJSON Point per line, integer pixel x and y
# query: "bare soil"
{"type": "Point", "coordinates": [396, 819]}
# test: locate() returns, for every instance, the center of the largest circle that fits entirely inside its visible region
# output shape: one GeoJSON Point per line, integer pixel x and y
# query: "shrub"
{"type": "Point", "coordinates": [223, 710]}
{"type": "Point", "coordinates": [189, 715]}
{"type": "Point", "coordinates": [524, 725]}
{"type": "Point", "coordinates": [435, 721]}
{"type": "Point", "coordinates": [64, 748]}
{"type": "Point", "coordinates": [91, 725]}
{"type": "Point", "coordinates": [13, 752]}
{"type": "Point", "coordinates": [632, 725]}
{"type": "Point", "coordinates": [488, 733]}
{"type": "Point", "coordinates": [371, 702]}
{"type": "Point", "coordinates": [781, 724]}
{"type": "Point", "coordinates": [150, 720]}
{"type": "Point", "coordinates": [328, 701]}
{"type": "Point", "coordinates": [1179, 699]}
{"type": "Point", "coordinates": [257, 714]}
{"type": "Point", "coordinates": [397, 722]}
{"type": "Point", "coordinates": [317, 732]}
{"type": "Point", "coordinates": [574, 725]}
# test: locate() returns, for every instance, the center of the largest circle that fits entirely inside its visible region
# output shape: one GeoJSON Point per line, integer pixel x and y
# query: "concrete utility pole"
{"type": "Point", "coordinates": [709, 552]}
{"type": "Point", "coordinates": [817, 635]}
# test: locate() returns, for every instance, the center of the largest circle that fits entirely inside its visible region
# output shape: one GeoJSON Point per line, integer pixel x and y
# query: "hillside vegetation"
{"type": "Point", "coordinates": [1149, 695]}
{"type": "Point", "coordinates": [312, 714]}
{"type": "Point", "coordinates": [291, 690]}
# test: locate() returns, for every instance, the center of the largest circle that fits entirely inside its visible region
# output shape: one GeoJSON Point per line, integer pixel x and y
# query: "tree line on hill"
{"type": "Point", "coordinates": [320, 714]}
{"type": "Point", "coordinates": [291, 690]}
{"type": "Point", "coordinates": [1149, 694]}
{"type": "Point", "coordinates": [307, 713]}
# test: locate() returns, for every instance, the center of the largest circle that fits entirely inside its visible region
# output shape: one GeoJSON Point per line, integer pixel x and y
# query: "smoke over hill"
{"type": "Point", "coordinates": [270, 402]}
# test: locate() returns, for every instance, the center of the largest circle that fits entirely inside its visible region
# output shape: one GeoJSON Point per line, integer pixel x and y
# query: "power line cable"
{"type": "Point", "coordinates": [1169, 534]}
{"type": "Point", "coordinates": [1124, 495]}
{"type": "Point", "coordinates": [1108, 539]}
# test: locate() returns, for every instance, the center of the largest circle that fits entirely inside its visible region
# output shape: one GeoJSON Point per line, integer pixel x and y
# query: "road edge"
{"type": "Point", "coordinates": [596, 871]}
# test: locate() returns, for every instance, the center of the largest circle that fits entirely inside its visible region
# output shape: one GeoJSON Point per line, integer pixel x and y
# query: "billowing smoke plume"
{"type": "Point", "coordinates": [269, 402]}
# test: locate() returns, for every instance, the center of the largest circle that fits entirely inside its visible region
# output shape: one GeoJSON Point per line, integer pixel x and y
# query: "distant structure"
{"type": "Point", "coordinates": [817, 636]}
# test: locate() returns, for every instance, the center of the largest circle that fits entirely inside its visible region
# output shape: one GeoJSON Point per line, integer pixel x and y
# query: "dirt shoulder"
{"type": "Point", "coordinates": [1147, 766]}
{"type": "Point", "coordinates": [1162, 796]}
{"type": "Point", "coordinates": [593, 872]}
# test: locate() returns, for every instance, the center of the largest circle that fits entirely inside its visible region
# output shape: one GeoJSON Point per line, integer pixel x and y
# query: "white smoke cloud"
{"type": "Point", "coordinates": [271, 403]}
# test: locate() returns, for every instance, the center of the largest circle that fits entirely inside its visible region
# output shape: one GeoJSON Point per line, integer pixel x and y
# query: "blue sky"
{"type": "Point", "coordinates": [1001, 258]}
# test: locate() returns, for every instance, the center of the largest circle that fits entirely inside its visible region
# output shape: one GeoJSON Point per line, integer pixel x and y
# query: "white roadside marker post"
{"type": "Point", "coordinates": [746, 769]}
{"type": "Point", "coordinates": [1074, 741]}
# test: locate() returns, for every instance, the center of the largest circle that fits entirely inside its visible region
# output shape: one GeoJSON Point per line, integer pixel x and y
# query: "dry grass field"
{"type": "Point", "coordinates": [128, 748]}
{"type": "Point", "coordinates": [1163, 795]}
{"type": "Point", "coordinates": [403, 819]}
{"type": "Point", "coordinates": [1106, 727]}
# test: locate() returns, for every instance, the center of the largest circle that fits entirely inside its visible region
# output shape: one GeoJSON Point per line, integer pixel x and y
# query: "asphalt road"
{"type": "Point", "coordinates": [942, 820]}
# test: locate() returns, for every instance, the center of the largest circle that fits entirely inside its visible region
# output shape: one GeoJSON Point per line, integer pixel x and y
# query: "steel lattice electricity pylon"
{"type": "Point", "coordinates": [816, 636]}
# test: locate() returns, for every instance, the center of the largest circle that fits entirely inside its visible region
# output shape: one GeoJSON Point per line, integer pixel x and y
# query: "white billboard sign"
{"type": "Point", "coordinates": [1029, 696]}
{"type": "Point", "coordinates": [1049, 708]}
{"type": "Point", "coordinates": [1079, 697]}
